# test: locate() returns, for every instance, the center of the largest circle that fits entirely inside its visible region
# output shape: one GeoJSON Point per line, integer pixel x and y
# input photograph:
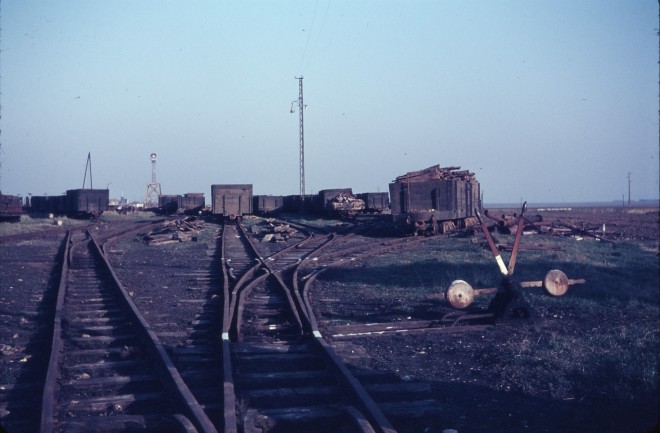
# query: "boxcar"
{"type": "Point", "coordinates": [435, 200]}
{"type": "Point", "coordinates": [44, 204]}
{"type": "Point", "coordinates": [231, 201]}
{"type": "Point", "coordinates": [87, 202]}
{"type": "Point", "coordinates": [294, 203]}
{"type": "Point", "coordinates": [11, 207]}
{"type": "Point", "coordinates": [192, 201]}
{"type": "Point", "coordinates": [375, 201]}
{"type": "Point", "coordinates": [265, 204]}
{"type": "Point", "coordinates": [168, 204]}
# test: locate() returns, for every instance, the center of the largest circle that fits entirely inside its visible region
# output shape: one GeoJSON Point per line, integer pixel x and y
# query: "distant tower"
{"type": "Point", "coordinates": [301, 107]}
{"type": "Point", "coordinates": [154, 186]}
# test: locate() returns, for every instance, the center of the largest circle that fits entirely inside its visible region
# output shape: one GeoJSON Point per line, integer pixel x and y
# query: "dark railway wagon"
{"type": "Point", "coordinates": [87, 202]}
{"type": "Point", "coordinates": [44, 204]}
{"type": "Point", "coordinates": [11, 207]}
{"type": "Point", "coordinates": [435, 200]}
{"type": "Point", "coordinates": [231, 201]}
{"type": "Point", "coordinates": [294, 203]}
{"type": "Point", "coordinates": [168, 204]}
{"type": "Point", "coordinates": [375, 201]}
{"type": "Point", "coordinates": [265, 204]}
{"type": "Point", "coordinates": [192, 201]}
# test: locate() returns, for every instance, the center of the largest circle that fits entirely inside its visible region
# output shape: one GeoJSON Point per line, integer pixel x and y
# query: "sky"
{"type": "Point", "coordinates": [544, 100]}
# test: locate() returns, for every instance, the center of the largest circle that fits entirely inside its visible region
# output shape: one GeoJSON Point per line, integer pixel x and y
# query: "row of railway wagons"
{"type": "Point", "coordinates": [186, 203]}
{"type": "Point", "coordinates": [75, 203]}
{"type": "Point", "coordinates": [431, 201]}
{"type": "Point", "coordinates": [235, 200]}
{"type": "Point", "coordinates": [340, 202]}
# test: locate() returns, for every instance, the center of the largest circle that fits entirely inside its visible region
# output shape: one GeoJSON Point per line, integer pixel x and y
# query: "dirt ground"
{"type": "Point", "coordinates": [467, 371]}
{"type": "Point", "coordinates": [476, 377]}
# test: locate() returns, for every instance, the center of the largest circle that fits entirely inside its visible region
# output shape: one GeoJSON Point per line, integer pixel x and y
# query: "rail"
{"type": "Point", "coordinates": [192, 417]}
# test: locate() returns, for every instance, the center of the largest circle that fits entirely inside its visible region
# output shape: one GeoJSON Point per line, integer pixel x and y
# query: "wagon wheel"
{"type": "Point", "coordinates": [460, 294]}
{"type": "Point", "coordinates": [556, 282]}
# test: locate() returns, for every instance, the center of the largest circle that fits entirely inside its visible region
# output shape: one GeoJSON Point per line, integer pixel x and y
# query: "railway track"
{"type": "Point", "coordinates": [282, 376]}
{"type": "Point", "coordinates": [107, 369]}
{"type": "Point", "coordinates": [237, 350]}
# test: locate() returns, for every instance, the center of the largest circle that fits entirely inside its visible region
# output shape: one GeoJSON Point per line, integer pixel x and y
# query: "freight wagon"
{"type": "Point", "coordinates": [375, 202]}
{"type": "Point", "coordinates": [168, 204]}
{"type": "Point", "coordinates": [87, 202]}
{"type": "Point", "coordinates": [267, 204]}
{"type": "Point", "coordinates": [11, 207]}
{"type": "Point", "coordinates": [307, 203]}
{"type": "Point", "coordinates": [231, 201]}
{"type": "Point", "coordinates": [192, 201]}
{"type": "Point", "coordinates": [48, 204]}
{"type": "Point", "coordinates": [435, 200]}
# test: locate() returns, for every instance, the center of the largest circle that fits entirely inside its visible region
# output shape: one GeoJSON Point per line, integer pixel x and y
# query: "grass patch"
{"type": "Point", "coordinates": [598, 341]}
{"type": "Point", "coordinates": [28, 224]}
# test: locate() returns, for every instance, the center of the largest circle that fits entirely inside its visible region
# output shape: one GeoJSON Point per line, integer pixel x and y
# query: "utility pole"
{"type": "Point", "coordinates": [301, 107]}
{"type": "Point", "coordinates": [89, 164]}
{"type": "Point", "coordinates": [629, 189]}
{"type": "Point", "coordinates": [153, 187]}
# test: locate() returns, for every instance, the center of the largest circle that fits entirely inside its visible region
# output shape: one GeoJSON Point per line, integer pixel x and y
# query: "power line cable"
{"type": "Point", "coordinates": [309, 34]}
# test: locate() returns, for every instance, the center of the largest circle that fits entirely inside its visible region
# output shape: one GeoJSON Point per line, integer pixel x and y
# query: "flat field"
{"type": "Point", "coordinates": [586, 361]}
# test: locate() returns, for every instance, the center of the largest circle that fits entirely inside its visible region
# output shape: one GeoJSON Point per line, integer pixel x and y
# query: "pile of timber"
{"type": "Point", "coordinates": [346, 202]}
{"type": "Point", "coordinates": [436, 173]}
{"type": "Point", "coordinates": [275, 231]}
{"type": "Point", "coordinates": [180, 230]}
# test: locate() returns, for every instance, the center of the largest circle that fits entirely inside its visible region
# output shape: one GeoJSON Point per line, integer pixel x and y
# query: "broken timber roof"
{"type": "Point", "coordinates": [436, 173]}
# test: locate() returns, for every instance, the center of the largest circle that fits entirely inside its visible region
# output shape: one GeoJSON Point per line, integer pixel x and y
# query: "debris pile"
{"type": "Point", "coordinates": [508, 225]}
{"type": "Point", "coordinates": [345, 203]}
{"type": "Point", "coordinates": [274, 231]}
{"type": "Point", "coordinates": [180, 230]}
{"type": "Point", "coordinates": [436, 173]}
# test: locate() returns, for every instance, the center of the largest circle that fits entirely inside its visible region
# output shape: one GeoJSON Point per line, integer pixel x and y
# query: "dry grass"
{"type": "Point", "coordinates": [600, 340]}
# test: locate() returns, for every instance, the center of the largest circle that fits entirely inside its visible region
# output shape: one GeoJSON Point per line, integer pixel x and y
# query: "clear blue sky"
{"type": "Point", "coordinates": [545, 100]}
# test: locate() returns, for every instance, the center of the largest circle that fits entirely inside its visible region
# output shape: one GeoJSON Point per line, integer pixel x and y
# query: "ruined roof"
{"type": "Point", "coordinates": [436, 172]}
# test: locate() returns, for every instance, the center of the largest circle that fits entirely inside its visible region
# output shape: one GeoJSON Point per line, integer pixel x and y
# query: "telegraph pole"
{"type": "Point", "coordinates": [629, 189]}
{"type": "Point", "coordinates": [301, 107]}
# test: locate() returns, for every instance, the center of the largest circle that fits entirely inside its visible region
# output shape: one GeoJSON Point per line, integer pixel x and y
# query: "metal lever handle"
{"type": "Point", "coordinates": [491, 244]}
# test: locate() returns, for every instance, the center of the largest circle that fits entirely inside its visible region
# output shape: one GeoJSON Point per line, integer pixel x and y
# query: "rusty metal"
{"type": "Point", "coordinates": [585, 231]}
{"type": "Point", "coordinates": [460, 294]}
{"type": "Point", "coordinates": [491, 244]}
{"type": "Point", "coordinates": [231, 200]}
{"type": "Point", "coordinates": [509, 225]}
{"type": "Point", "coordinates": [516, 243]}
{"type": "Point", "coordinates": [314, 349]}
{"type": "Point", "coordinates": [508, 300]}
{"type": "Point", "coordinates": [177, 391]}
{"type": "Point", "coordinates": [434, 200]}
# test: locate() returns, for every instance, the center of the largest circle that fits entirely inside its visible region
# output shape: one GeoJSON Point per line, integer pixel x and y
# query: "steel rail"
{"type": "Point", "coordinates": [193, 420]}
{"type": "Point", "coordinates": [297, 308]}
{"type": "Point", "coordinates": [193, 409]}
{"type": "Point", "coordinates": [229, 395]}
{"type": "Point", "coordinates": [366, 402]}
{"type": "Point", "coordinates": [48, 396]}
{"type": "Point", "coordinates": [287, 293]}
